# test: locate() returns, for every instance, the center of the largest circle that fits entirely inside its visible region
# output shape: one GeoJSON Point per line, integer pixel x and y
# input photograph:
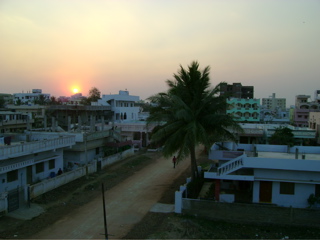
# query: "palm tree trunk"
{"type": "Point", "coordinates": [193, 163]}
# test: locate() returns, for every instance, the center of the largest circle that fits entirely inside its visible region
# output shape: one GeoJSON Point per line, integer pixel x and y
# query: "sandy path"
{"type": "Point", "coordinates": [126, 205]}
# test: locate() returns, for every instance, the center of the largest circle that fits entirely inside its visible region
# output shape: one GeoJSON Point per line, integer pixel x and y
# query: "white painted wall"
{"type": "Point", "coordinates": [298, 200]}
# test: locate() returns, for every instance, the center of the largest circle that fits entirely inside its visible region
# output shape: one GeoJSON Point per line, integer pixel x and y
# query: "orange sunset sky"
{"type": "Point", "coordinates": [59, 45]}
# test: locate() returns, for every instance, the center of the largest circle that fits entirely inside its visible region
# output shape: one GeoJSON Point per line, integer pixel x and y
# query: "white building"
{"type": "Point", "coordinates": [123, 106]}
{"type": "Point", "coordinates": [128, 118]}
{"type": "Point", "coordinates": [30, 98]}
{"type": "Point", "coordinates": [271, 174]}
{"type": "Point", "coordinates": [27, 160]}
{"type": "Point", "coordinates": [272, 102]}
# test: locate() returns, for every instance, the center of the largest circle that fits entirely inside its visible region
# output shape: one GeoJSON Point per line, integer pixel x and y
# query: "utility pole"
{"type": "Point", "coordinates": [104, 213]}
{"type": "Point", "coordinates": [86, 153]}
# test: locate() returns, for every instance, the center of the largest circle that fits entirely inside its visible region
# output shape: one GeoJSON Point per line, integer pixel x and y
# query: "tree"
{"type": "Point", "coordinates": [190, 114]}
{"type": "Point", "coordinates": [94, 95]}
{"type": "Point", "coordinates": [144, 106]}
{"type": "Point", "coordinates": [18, 102]}
{"type": "Point", "coordinates": [53, 101]}
{"type": "Point", "coordinates": [41, 100]}
{"type": "Point", "coordinates": [282, 136]}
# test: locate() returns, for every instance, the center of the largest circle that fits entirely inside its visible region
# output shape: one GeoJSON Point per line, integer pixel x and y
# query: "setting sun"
{"type": "Point", "coordinates": [75, 90]}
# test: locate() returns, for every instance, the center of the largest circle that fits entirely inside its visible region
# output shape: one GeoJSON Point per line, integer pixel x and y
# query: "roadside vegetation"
{"type": "Point", "coordinates": [193, 114]}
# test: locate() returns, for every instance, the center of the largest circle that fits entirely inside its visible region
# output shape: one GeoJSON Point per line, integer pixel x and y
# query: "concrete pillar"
{"type": "Point", "coordinates": [28, 123]}
{"type": "Point", "coordinates": [102, 123]}
{"type": "Point", "coordinates": [69, 123]}
{"type": "Point", "coordinates": [53, 124]}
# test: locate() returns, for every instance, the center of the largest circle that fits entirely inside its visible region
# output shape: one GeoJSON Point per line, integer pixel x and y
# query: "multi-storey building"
{"type": "Point", "coordinates": [35, 113]}
{"type": "Point", "coordinates": [30, 98]}
{"type": "Point", "coordinates": [273, 103]}
{"type": "Point", "coordinates": [236, 90]}
{"type": "Point", "coordinates": [302, 109]}
{"type": "Point", "coordinates": [14, 122]}
{"type": "Point", "coordinates": [244, 110]}
{"type": "Point", "coordinates": [241, 103]}
{"type": "Point", "coordinates": [314, 123]}
{"type": "Point", "coordinates": [123, 106]}
{"type": "Point", "coordinates": [27, 160]}
{"type": "Point", "coordinates": [76, 116]}
{"type": "Point", "coordinates": [256, 133]}
{"type": "Point", "coordinates": [127, 117]}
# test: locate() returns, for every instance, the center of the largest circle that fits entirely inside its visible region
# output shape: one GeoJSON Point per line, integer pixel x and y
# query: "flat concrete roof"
{"type": "Point", "coordinates": [308, 156]}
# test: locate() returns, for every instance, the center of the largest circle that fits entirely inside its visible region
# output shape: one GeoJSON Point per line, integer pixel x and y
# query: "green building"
{"type": "Point", "coordinates": [245, 110]}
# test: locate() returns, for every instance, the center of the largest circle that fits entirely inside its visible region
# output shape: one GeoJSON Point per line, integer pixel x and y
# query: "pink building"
{"type": "Point", "coordinates": [302, 109]}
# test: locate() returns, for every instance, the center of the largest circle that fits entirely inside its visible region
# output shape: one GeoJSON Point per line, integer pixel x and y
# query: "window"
{"type": "Point", "coordinates": [39, 167]}
{"type": "Point", "coordinates": [12, 176]}
{"type": "Point", "coordinates": [286, 188]}
{"type": "Point", "coordinates": [52, 164]}
{"type": "Point", "coordinates": [97, 151]}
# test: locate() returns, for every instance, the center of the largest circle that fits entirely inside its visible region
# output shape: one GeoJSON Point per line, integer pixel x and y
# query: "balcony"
{"type": "Point", "coordinates": [25, 148]}
{"type": "Point", "coordinates": [14, 122]}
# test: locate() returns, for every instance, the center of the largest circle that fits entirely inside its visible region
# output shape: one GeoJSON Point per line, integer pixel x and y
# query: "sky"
{"type": "Point", "coordinates": [136, 45]}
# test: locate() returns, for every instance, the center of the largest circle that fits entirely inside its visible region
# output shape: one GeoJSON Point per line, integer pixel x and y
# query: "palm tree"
{"type": "Point", "coordinates": [190, 114]}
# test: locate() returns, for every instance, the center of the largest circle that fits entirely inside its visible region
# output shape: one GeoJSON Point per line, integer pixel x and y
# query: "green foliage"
{"type": "Point", "coordinates": [54, 101]}
{"type": "Point", "coordinates": [282, 136]}
{"type": "Point", "coordinates": [18, 102]}
{"type": "Point", "coordinates": [190, 113]}
{"type": "Point", "coordinates": [41, 100]}
{"type": "Point", "coordinates": [94, 94]}
{"type": "Point", "coordinates": [145, 106]}
{"type": "Point", "coordinates": [194, 187]}
{"type": "Point", "coordinates": [312, 200]}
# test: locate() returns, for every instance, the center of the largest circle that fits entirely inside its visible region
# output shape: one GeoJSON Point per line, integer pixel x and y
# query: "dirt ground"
{"type": "Point", "coordinates": [63, 201]}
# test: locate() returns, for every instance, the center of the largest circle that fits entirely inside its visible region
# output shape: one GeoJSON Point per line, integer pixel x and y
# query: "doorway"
{"type": "Point", "coordinates": [265, 192]}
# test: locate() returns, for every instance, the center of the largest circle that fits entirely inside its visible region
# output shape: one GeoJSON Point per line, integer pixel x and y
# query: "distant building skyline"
{"type": "Point", "coordinates": [63, 46]}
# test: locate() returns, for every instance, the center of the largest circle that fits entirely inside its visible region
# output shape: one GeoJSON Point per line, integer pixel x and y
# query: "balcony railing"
{"type": "Point", "coordinates": [15, 122]}
{"type": "Point", "coordinates": [24, 148]}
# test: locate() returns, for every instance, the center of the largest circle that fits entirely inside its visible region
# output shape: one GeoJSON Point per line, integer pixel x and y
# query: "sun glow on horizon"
{"type": "Point", "coordinates": [75, 90]}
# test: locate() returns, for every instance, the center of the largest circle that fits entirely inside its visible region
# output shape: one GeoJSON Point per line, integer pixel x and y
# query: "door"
{"type": "Point", "coordinates": [265, 193]}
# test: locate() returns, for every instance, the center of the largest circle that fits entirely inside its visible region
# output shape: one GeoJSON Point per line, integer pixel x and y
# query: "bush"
{"type": "Point", "coordinates": [312, 200]}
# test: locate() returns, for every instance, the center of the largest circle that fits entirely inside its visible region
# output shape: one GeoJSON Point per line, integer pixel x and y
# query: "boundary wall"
{"type": "Point", "coordinates": [251, 213]}
{"type": "Point", "coordinates": [47, 185]}
{"type": "Point", "coordinates": [245, 213]}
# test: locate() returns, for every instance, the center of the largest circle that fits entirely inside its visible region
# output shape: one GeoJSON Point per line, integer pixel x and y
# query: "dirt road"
{"type": "Point", "coordinates": [126, 205]}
